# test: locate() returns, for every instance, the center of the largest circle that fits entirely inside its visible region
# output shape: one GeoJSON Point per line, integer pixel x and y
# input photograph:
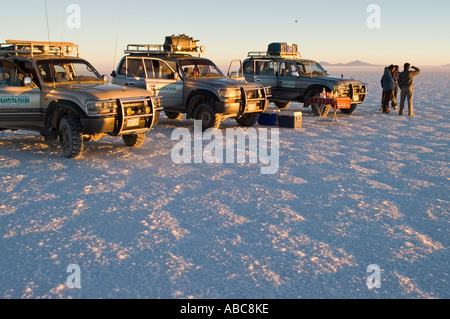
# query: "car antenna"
{"type": "Point", "coordinates": [117, 34]}
{"type": "Point", "coordinates": [49, 40]}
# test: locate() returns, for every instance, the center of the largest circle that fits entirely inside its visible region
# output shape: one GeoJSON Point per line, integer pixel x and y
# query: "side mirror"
{"type": "Point", "coordinates": [105, 78]}
{"type": "Point", "coordinates": [27, 81]}
{"type": "Point", "coordinates": [295, 74]}
{"type": "Point", "coordinates": [113, 74]}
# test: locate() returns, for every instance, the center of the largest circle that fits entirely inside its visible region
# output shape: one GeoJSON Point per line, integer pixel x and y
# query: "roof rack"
{"type": "Point", "coordinates": [264, 54]}
{"type": "Point", "coordinates": [31, 48]}
{"type": "Point", "coordinates": [160, 49]}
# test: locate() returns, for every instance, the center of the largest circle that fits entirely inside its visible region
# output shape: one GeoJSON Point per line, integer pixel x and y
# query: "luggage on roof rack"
{"type": "Point", "coordinates": [180, 43]}
{"type": "Point", "coordinates": [282, 48]}
{"type": "Point", "coordinates": [31, 48]}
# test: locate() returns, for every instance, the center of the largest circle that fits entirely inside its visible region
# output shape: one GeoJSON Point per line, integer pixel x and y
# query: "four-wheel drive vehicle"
{"type": "Point", "coordinates": [293, 79]}
{"type": "Point", "coordinates": [190, 84]}
{"type": "Point", "coordinates": [46, 87]}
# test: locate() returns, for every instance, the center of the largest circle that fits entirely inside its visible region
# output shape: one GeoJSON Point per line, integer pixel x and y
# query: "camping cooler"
{"type": "Point", "coordinates": [291, 119]}
{"type": "Point", "coordinates": [269, 117]}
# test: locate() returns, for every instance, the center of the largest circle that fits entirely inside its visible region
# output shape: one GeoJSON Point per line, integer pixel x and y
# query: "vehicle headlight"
{"type": "Point", "coordinates": [230, 93]}
{"type": "Point", "coordinates": [101, 107]}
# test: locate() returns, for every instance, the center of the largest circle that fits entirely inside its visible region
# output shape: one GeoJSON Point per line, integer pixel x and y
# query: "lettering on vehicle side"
{"type": "Point", "coordinates": [167, 88]}
{"type": "Point", "coordinates": [288, 84]}
{"type": "Point", "coordinates": [17, 100]}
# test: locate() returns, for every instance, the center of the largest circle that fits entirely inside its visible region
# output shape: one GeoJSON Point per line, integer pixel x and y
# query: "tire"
{"type": "Point", "coordinates": [350, 110]}
{"type": "Point", "coordinates": [70, 136]}
{"type": "Point", "coordinates": [133, 140]}
{"type": "Point", "coordinates": [209, 118]}
{"type": "Point", "coordinates": [316, 110]}
{"type": "Point", "coordinates": [248, 119]}
{"type": "Point", "coordinates": [282, 105]}
{"type": "Point", "coordinates": [157, 116]}
{"type": "Point", "coordinates": [173, 115]}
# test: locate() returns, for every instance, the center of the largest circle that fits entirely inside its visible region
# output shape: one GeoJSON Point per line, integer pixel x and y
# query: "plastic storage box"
{"type": "Point", "coordinates": [269, 118]}
{"type": "Point", "coordinates": [291, 119]}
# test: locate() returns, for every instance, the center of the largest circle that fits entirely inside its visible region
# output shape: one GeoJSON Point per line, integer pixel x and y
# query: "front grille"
{"type": "Point", "coordinates": [133, 108]}
{"type": "Point", "coordinates": [254, 94]}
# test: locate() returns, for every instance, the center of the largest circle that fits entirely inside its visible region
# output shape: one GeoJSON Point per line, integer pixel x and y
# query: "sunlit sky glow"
{"type": "Point", "coordinates": [333, 31]}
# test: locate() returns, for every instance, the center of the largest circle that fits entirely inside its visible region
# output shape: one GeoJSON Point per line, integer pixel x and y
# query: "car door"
{"type": "Point", "coordinates": [164, 80]}
{"type": "Point", "coordinates": [262, 72]}
{"type": "Point", "coordinates": [20, 106]}
{"type": "Point", "coordinates": [289, 81]}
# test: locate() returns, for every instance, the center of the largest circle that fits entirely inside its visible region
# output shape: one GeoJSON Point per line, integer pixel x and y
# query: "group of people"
{"type": "Point", "coordinates": [392, 81]}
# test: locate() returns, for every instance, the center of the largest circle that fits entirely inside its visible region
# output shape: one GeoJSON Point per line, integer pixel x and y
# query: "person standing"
{"type": "Point", "coordinates": [387, 82]}
{"type": "Point", "coordinates": [394, 103]}
{"type": "Point", "coordinates": [406, 84]}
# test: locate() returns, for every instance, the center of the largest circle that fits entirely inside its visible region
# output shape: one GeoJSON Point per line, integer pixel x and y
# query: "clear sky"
{"type": "Point", "coordinates": [414, 31]}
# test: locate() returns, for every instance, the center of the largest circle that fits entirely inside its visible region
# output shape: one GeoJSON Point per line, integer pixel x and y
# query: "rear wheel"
{"type": "Point", "coordinates": [133, 140]}
{"type": "Point", "coordinates": [248, 119]}
{"type": "Point", "coordinates": [70, 136]}
{"type": "Point", "coordinates": [282, 105]}
{"type": "Point", "coordinates": [173, 115]}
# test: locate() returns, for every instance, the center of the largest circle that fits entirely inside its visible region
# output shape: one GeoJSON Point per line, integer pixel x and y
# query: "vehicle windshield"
{"type": "Point", "coordinates": [67, 72]}
{"type": "Point", "coordinates": [311, 68]}
{"type": "Point", "coordinates": [200, 68]}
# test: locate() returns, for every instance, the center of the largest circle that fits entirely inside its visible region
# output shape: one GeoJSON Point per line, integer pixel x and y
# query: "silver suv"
{"type": "Point", "coordinates": [190, 84]}
{"type": "Point", "coordinates": [292, 78]}
{"type": "Point", "coordinates": [46, 87]}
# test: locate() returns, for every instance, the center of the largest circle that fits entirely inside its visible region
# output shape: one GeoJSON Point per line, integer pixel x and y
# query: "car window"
{"type": "Point", "coordinates": [249, 67]}
{"type": "Point", "coordinates": [135, 68]}
{"type": "Point", "coordinates": [67, 71]}
{"type": "Point", "coordinates": [311, 67]}
{"type": "Point", "coordinates": [123, 67]}
{"type": "Point", "coordinates": [286, 69]}
{"type": "Point", "coordinates": [200, 68]}
{"type": "Point", "coordinates": [10, 75]}
{"type": "Point", "coordinates": [265, 68]}
{"type": "Point", "coordinates": [157, 69]}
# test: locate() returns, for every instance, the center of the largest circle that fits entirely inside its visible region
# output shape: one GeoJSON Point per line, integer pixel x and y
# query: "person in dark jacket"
{"type": "Point", "coordinates": [406, 84]}
{"type": "Point", "coordinates": [387, 82]}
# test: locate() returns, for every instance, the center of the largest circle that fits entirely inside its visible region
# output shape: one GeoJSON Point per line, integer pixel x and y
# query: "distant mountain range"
{"type": "Point", "coordinates": [360, 63]}
{"type": "Point", "coordinates": [353, 63]}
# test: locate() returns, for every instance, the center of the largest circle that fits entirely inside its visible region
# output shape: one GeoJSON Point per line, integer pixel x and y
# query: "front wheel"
{"type": "Point", "coordinates": [133, 140]}
{"type": "Point", "coordinates": [70, 136]}
{"type": "Point", "coordinates": [205, 113]}
{"type": "Point", "coordinates": [349, 110]}
{"type": "Point", "coordinates": [248, 119]}
{"type": "Point", "coordinates": [320, 110]}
